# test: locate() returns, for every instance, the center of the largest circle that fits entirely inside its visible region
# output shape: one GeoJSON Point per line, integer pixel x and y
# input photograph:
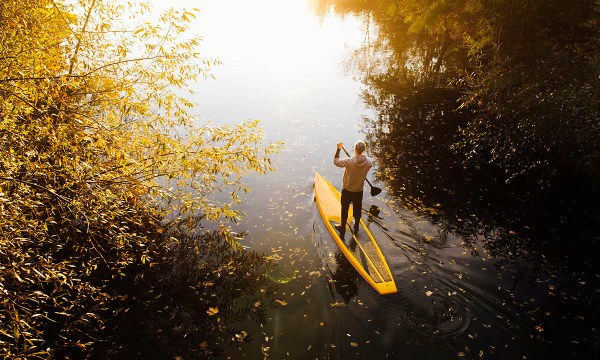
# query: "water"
{"type": "Point", "coordinates": [286, 65]}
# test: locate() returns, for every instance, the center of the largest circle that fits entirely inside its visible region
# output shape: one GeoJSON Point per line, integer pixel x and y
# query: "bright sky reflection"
{"type": "Point", "coordinates": [275, 54]}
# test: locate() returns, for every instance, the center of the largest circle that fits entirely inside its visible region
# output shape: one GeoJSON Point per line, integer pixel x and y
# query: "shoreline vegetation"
{"type": "Point", "coordinates": [98, 151]}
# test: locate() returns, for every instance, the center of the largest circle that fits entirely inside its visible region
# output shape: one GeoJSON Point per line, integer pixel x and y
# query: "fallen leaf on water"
{"type": "Point", "coordinates": [539, 328]}
{"type": "Point", "coordinates": [353, 344]}
{"type": "Point", "coordinates": [429, 293]}
{"type": "Point", "coordinates": [281, 302]}
{"type": "Point", "coordinates": [212, 311]}
{"type": "Point", "coordinates": [241, 336]}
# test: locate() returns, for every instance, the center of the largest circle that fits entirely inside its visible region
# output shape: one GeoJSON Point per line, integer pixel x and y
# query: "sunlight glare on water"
{"type": "Point", "coordinates": [276, 55]}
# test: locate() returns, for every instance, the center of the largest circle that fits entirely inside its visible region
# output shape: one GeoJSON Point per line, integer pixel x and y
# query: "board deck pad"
{"type": "Point", "coordinates": [364, 245]}
{"type": "Point", "coordinates": [361, 250]}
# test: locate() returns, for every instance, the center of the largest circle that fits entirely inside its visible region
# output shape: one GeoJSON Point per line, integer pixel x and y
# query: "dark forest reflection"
{"type": "Point", "coordinates": [487, 115]}
{"type": "Point", "coordinates": [193, 304]}
{"type": "Point", "coordinates": [488, 125]}
{"type": "Point", "coordinates": [412, 139]}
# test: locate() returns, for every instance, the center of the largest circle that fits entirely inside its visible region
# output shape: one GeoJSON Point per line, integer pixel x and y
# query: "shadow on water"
{"type": "Point", "coordinates": [504, 265]}
{"type": "Point", "coordinates": [195, 303]}
{"type": "Point", "coordinates": [458, 297]}
{"type": "Point", "coordinates": [405, 323]}
{"type": "Point", "coordinates": [493, 307]}
{"type": "Point", "coordinates": [344, 279]}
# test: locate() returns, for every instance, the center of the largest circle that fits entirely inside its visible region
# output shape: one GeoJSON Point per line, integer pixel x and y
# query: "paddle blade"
{"type": "Point", "coordinates": [375, 191]}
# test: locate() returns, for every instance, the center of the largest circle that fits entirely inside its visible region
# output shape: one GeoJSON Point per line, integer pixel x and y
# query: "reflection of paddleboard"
{"type": "Point", "coordinates": [364, 253]}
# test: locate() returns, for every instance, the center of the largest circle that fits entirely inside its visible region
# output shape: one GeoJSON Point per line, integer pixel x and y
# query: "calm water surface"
{"type": "Point", "coordinates": [288, 66]}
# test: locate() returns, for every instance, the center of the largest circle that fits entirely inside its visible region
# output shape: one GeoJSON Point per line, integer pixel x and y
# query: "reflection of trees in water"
{"type": "Point", "coordinates": [478, 131]}
{"type": "Point", "coordinates": [188, 305]}
{"type": "Point", "coordinates": [527, 72]}
{"type": "Point", "coordinates": [412, 140]}
{"type": "Point", "coordinates": [487, 122]}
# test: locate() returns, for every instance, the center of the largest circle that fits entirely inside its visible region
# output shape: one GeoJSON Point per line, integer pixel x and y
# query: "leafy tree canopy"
{"type": "Point", "coordinates": [98, 146]}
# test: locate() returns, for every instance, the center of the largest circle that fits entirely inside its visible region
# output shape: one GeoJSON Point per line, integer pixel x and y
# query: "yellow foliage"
{"type": "Point", "coordinates": [97, 146]}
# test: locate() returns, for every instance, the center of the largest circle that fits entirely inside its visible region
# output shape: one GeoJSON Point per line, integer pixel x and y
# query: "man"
{"type": "Point", "coordinates": [355, 173]}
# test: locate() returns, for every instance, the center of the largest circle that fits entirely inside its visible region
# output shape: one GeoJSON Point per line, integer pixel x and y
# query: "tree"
{"type": "Point", "coordinates": [98, 147]}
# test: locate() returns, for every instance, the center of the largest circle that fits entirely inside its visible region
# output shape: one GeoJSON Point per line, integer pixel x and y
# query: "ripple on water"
{"type": "Point", "coordinates": [439, 316]}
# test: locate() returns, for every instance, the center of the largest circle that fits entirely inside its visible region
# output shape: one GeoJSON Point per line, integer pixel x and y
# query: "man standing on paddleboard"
{"type": "Point", "coordinates": [355, 173]}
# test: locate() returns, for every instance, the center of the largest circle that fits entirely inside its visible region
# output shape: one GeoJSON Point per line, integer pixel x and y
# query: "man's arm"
{"type": "Point", "coordinates": [336, 159]}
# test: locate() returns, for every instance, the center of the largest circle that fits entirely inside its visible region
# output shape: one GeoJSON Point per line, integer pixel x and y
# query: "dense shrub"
{"type": "Point", "coordinates": [97, 149]}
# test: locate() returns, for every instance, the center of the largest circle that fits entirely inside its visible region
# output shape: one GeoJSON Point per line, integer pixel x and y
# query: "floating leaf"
{"type": "Point", "coordinates": [212, 311]}
{"type": "Point", "coordinates": [539, 328]}
{"type": "Point", "coordinates": [241, 336]}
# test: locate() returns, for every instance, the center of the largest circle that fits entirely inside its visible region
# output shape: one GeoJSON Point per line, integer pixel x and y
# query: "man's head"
{"type": "Point", "coordinates": [359, 147]}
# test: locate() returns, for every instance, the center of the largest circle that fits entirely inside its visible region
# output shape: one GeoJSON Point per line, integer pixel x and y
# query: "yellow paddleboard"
{"type": "Point", "coordinates": [364, 254]}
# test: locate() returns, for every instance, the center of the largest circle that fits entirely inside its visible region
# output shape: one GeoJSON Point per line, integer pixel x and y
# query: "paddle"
{"type": "Point", "coordinates": [374, 190]}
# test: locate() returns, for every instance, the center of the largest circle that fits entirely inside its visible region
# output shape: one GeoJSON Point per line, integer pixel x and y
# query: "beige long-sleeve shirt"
{"type": "Point", "coordinates": [355, 172]}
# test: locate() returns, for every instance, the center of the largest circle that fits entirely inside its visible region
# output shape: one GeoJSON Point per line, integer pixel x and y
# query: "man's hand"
{"type": "Point", "coordinates": [340, 145]}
